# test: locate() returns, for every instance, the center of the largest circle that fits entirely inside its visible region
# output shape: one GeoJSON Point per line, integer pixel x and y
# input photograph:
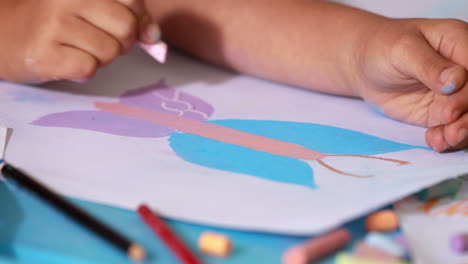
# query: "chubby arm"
{"type": "Point", "coordinates": [300, 42]}
{"type": "Point", "coordinates": [414, 70]}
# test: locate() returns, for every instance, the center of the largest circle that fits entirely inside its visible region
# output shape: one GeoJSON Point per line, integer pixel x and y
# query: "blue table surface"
{"type": "Point", "coordinates": [33, 232]}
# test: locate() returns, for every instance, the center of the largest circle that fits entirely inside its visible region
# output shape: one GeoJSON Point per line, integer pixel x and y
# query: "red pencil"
{"type": "Point", "coordinates": [159, 227]}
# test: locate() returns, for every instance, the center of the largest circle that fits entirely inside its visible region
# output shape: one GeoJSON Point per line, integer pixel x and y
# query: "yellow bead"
{"type": "Point", "coordinates": [215, 244]}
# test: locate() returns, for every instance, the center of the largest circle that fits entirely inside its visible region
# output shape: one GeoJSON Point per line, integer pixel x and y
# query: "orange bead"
{"type": "Point", "coordinates": [382, 221]}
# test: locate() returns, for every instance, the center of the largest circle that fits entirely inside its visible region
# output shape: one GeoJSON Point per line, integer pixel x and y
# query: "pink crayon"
{"type": "Point", "coordinates": [318, 247]}
{"type": "Point", "coordinates": [158, 51]}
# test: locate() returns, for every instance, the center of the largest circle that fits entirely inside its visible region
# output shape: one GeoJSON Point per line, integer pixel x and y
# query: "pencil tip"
{"type": "Point", "coordinates": [136, 253]}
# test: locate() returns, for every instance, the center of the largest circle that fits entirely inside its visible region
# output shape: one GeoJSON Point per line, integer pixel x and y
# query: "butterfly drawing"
{"type": "Point", "coordinates": [274, 150]}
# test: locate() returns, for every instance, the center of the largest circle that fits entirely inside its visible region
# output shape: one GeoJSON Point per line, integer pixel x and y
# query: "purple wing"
{"type": "Point", "coordinates": [157, 97]}
{"type": "Point", "coordinates": [103, 122]}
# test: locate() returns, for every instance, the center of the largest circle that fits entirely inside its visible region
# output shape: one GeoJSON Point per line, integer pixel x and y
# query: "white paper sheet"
{"type": "Point", "coordinates": [3, 140]}
{"type": "Point", "coordinates": [429, 227]}
{"type": "Point", "coordinates": [125, 170]}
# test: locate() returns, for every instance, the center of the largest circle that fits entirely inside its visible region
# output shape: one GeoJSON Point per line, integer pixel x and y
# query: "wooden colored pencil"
{"type": "Point", "coordinates": [157, 224]}
{"type": "Point", "coordinates": [134, 251]}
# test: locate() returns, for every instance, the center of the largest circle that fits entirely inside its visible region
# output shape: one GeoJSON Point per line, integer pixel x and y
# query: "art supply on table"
{"type": "Point", "coordinates": [459, 243]}
{"type": "Point", "coordinates": [160, 228]}
{"type": "Point", "coordinates": [318, 247]}
{"type": "Point", "coordinates": [215, 244]}
{"type": "Point", "coordinates": [430, 227]}
{"type": "Point", "coordinates": [344, 258]}
{"type": "Point", "coordinates": [382, 221]}
{"type": "Point", "coordinates": [446, 188]}
{"type": "Point", "coordinates": [384, 243]}
{"type": "Point", "coordinates": [134, 251]}
{"type": "Point", "coordinates": [158, 51]}
{"type": "Point", "coordinates": [363, 250]}
{"type": "Point", "coordinates": [402, 241]}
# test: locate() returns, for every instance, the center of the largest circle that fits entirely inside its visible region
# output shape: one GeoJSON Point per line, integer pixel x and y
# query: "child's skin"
{"type": "Point", "coordinates": [413, 69]}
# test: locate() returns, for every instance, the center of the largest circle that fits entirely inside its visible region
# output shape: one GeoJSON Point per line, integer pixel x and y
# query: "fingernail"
{"type": "Point", "coordinates": [446, 77]}
{"type": "Point", "coordinates": [448, 88]}
{"type": "Point", "coordinates": [462, 135]}
{"type": "Point", "coordinates": [153, 32]}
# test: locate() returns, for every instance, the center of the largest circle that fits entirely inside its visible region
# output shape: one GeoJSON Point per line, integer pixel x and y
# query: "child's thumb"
{"type": "Point", "coordinates": [149, 31]}
{"type": "Point", "coordinates": [428, 66]}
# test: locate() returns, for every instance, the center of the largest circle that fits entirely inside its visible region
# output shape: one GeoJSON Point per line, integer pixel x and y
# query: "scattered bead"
{"type": "Point", "coordinates": [215, 244]}
{"type": "Point", "coordinates": [382, 221]}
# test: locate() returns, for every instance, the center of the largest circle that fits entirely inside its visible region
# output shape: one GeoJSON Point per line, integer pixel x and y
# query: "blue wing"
{"type": "Point", "coordinates": [224, 156]}
{"type": "Point", "coordinates": [325, 139]}
{"type": "Point", "coordinates": [321, 138]}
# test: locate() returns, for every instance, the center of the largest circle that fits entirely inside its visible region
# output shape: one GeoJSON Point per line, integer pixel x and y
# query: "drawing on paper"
{"type": "Point", "coordinates": [274, 150]}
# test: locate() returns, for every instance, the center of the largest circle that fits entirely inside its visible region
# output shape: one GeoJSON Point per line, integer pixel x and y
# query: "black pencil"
{"type": "Point", "coordinates": [133, 250]}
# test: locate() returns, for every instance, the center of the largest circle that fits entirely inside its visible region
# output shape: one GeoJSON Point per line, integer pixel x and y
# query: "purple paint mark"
{"type": "Point", "coordinates": [156, 97]}
{"type": "Point", "coordinates": [104, 122]}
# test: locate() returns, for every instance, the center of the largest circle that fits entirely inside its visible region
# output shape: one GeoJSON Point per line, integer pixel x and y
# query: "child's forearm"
{"type": "Point", "coordinates": [311, 44]}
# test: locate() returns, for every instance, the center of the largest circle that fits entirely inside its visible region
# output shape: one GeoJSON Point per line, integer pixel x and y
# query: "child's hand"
{"type": "Point", "coordinates": [45, 40]}
{"type": "Point", "coordinates": [415, 71]}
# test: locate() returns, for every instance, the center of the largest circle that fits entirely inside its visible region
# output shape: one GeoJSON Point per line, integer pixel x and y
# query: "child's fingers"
{"type": "Point", "coordinates": [449, 37]}
{"type": "Point", "coordinates": [448, 137]}
{"type": "Point", "coordinates": [435, 138]}
{"type": "Point", "coordinates": [64, 63]}
{"type": "Point", "coordinates": [75, 64]}
{"type": "Point", "coordinates": [136, 6]}
{"type": "Point", "coordinates": [456, 133]}
{"type": "Point", "coordinates": [87, 37]}
{"type": "Point", "coordinates": [115, 19]}
{"type": "Point", "coordinates": [415, 57]}
{"type": "Point", "coordinates": [148, 31]}
{"type": "Point", "coordinates": [456, 106]}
